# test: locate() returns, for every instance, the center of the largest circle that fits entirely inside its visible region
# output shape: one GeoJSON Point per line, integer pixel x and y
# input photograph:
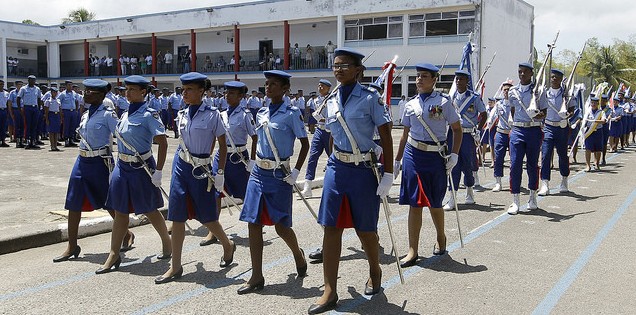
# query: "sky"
{"type": "Point", "coordinates": [576, 19]}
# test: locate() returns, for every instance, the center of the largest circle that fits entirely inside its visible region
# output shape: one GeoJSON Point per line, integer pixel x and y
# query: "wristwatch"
{"type": "Point", "coordinates": [219, 172]}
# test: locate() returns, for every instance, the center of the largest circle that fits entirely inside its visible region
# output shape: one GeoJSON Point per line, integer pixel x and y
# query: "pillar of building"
{"type": "Point", "coordinates": [86, 62]}
{"type": "Point", "coordinates": [53, 59]}
{"type": "Point", "coordinates": [286, 45]}
{"type": "Point", "coordinates": [341, 30]}
{"type": "Point", "coordinates": [154, 54]}
{"type": "Point", "coordinates": [118, 55]}
{"type": "Point", "coordinates": [193, 54]}
{"type": "Point", "coordinates": [3, 58]}
{"type": "Point", "coordinates": [237, 48]}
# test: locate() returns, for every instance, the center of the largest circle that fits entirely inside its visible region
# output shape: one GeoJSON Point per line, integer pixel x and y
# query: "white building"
{"type": "Point", "coordinates": [415, 30]}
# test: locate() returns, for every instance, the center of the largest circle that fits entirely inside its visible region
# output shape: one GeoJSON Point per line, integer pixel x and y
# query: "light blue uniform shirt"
{"type": "Point", "coordinates": [625, 107]}
{"type": "Point", "coordinates": [47, 96]}
{"type": "Point", "coordinates": [469, 114]}
{"type": "Point", "coordinates": [4, 98]}
{"type": "Point", "coordinates": [138, 129]}
{"type": "Point", "coordinates": [363, 112]}
{"type": "Point", "coordinates": [199, 132]}
{"type": "Point", "coordinates": [503, 111]}
{"type": "Point", "coordinates": [67, 99]}
{"type": "Point", "coordinates": [437, 111]}
{"type": "Point", "coordinates": [222, 104]}
{"type": "Point", "coordinates": [254, 102]}
{"type": "Point", "coordinates": [176, 101]}
{"type": "Point", "coordinates": [111, 96]}
{"type": "Point", "coordinates": [13, 98]}
{"type": "Point", "coordinates": [239, 124]}
{"type": "Point", "coordinates": [591, 115]}
{"type": "Point", "coordinates": [319, 101]}
{"type": "Point", "coordinates": [164, 102]}
{"type": "Point", "coordinates": [285, 125]}
{"type": "Point", "coordinates": [122, 103]}
{"type": "Point", "coordinates": [97, 128]}
{"type": "Point", "coordinates": [554, 99]}
{"type": "Point", "coordinates": [618, 111]}
{"type": "Point", "coordinates": [525, 93]}
{"type": "Point", "coordinates": [155, 104]}
{"type": "Point", "coordinates": [53, 104]}
{"type": "Point", "coordinates": [29, 95]}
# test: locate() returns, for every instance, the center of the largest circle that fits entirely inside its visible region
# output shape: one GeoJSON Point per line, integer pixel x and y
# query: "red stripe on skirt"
{"type": "Point", "coordinates": [86, 205]}
{"type": "Point", "coordinates": [345, 220]}
{"type": "Point", "coordinates": [265, 219]}
{"type": "Point", "coordinates": [422, 201]}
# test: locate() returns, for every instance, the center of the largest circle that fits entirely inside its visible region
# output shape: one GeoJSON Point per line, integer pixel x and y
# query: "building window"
{"type": "Point", "coordinates": [378, 28]}
{"type": "Point", "coordinates": [441, 24]}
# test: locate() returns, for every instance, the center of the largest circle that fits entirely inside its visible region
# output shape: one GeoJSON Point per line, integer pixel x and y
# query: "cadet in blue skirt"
{"type": "Point", "coordinates": [88, 184]}
{"type": "Point", "coordinates": [351, 193]}
{"type": "Point", "coordinates": [615, 126]}
{"type": "Point", "coordinates": [606, 133]}
{"type": "Point", "coordinates": [594, 134]}
{"type": "Point", "coordinates": [423, 157]}
{"type": "Point", "coordinates": [268, 199]}
{"type": "Point", "coordinates": [4, 114]}
{"type": "Point", "coordinates": [502, 138]}
{"type": "Point", "coordinates": [191, 197]}
{"type": "Point", "coordinates": [52, 118]}
{"type": "Point", "coordinates": [525, 137]}
{"type": "Point", "coordinates": [131, 188]}
{"type": "Point", "coordinates": [239, 125]}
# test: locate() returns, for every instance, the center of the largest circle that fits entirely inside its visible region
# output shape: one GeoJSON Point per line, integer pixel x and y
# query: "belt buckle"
{"type": "Point", "coordinates": [266, 164]}
{"type": "Point", "coordinates": [345, 158]}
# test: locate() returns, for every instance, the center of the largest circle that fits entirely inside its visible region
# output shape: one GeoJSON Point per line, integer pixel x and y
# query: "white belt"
{"type": "Point", "coordinates": [133, 159]}
{"type": "Point", "coordinates": [240, 149]}
{"type": "Point", "coordinates": [194, 161]}
{"type": "Point", "coordinates": [504, 131]}
{"type": "Point", "coordinates": [350, 157]}
{"type": "Point", "coordinates": [467, 130]}
{"type": "Point", "coordinates": [271, 164]}
{"type": "Point", "coordinates": [554, 123]}
{"type": "Point", "coordinates": [527, 124]}
{"type": "Point", "coordinates": [93, 153]}
{"type": "Point", "coordinates": [425, 147]}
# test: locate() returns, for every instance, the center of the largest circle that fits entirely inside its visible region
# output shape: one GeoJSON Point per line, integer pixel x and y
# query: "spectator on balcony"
{"type": "Point", "coordinates": [278, 62]}
{"type": "Point", "coordinates": [186, 61]}
{"type": "Point", "coordinates": [168, 60]}
{"type": "Point", "coordinates": [230, 67]}
{"type": "Point", "coordinates": [160, 62]}
{"type": "Point", "coordinates": [95, 64]}
{"type": "Point", "coordinates": [133, 64]}
{"type": "Point", "coordinates": [208, 64]}
{"type": "Point", "coordinates": [148, 63]}
{"type": "Point", "coordinates": [309, 57]}
{"type": "Point", "coordinates": [296, 56]}
{"type": "Point", "coordinates": [123, 64]}
{"type": "Point", "coordinates": [330, 48]}
{"type": "Point", "coordinates": [143, 65]}
{"type": "Point", "coordinates": [221, 63]}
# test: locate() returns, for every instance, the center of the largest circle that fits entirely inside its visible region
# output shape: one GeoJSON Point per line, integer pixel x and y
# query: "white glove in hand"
{"type": "Point", "coordinates": [219, 181]}
{"type": "Point", "coordinates": [452, 161]}
{"type": "Point", "coordinates": [385, 184]}
{"type": "Point", "coordinates": [250, 166]}
{"type": "Point", "coordinates": [156, 178]}
{"type": "Point", "coordinates": [396, 168]}
{"type": "Point", "coordinates": [291, 179]}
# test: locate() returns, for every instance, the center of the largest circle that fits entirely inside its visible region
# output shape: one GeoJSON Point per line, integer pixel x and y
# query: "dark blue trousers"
{"type": "Point", "coordinates": [554, 138]}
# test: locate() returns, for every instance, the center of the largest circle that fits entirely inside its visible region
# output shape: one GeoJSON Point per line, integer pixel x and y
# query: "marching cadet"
{"type": "Point", "coordinates": [193, 197]}
{"type": "Point", "coordinates": [606, 130]}
{"type": "Point", "coordinates": [555, 132]}
{"type": "Point", "coordinates": [488, 133]}
{"type": "Point", "coordinates": [88, 184]}
{"type": "Point", "coordinates": [4, 100]}
{"type": "Point", "coordinates": [29, 100]}
{"type": "Point", "coordinates": [633, 118]}
{"type": "Point", "coordinates": [165, 116]}
{"type": "Point", "coordinates": [52, 117]}
{"type": "Point", "coordinates": [502, 138]}
{"type": "Point", "coordinates": [628, 111]}
{"type": "Point", "coordinates": [320, 141]}
{"type": "Point", "coordinates": [68, 99]}
{"type": "Point", "coordinates": [352, 192]}
{"type": "Point", "coordinates": [132, 188]}
{"type": "Point", "coordinates": [615, 126]}
{"type": "Point", "coordinates": [239, 125]}
{"type": "Point", "coordinates": [174, 106]}
{"type": "Point", "coordinates": [472, 112]}
{"type": "Point", "coordinates": [311, 108]}
{"type": "Point", "coordinates": [122, 104]}
{"type": "Point", "coordinates": [254, 103]}
{"type": "Point", "coordinates": [16, 115]}
{"type": "Point", "coordinates": [525, 137]}
{"type": "Point", "coordinates": [155, 102]}
{"type": "Point", "coordinates": [268, 198]}
{"type": "Point", "coordinates": [625, 118]}
{"type": "Point", "coordinates": [422, 150]}
{"type": "Point", "coordinates": [594, 134]}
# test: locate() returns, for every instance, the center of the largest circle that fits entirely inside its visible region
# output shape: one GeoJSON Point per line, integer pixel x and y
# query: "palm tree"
{"type": "Point", "coordinates": [79, 15]}
{"type": "Point", "coordinates": [30, 22]}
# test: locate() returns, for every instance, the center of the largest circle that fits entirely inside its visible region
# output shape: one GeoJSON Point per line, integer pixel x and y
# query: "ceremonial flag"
{"type": "Point", "coordinates": [465, 64]}
{"type": "Point", "coordinates": [578, 108]}
{"type": "Point", "coordinates": [386, 79]}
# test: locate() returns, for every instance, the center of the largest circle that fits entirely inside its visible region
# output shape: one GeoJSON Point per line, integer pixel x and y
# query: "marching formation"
{"type": "Point", "coordinates": [445, 137]}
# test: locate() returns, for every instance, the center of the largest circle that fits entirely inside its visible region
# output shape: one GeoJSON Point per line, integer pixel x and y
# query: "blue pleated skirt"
{"type": "Point", "coordinates": [594, 142]}
{"type": "Point", "coordinates": [189, 197]}
{"type": "Point", "coordinates": [349, 198]}
{"type": "Point", "coordinates": [131, 189]}
{"type": "Point", "coordinates": [236, 176]}
{"type": "Point", "coordinates": [268, 199]}
{"type": "Point", "coordinates": [88, 185]}
{"type": "Point", "coordinates": [616, 128]}
{"type": "Point", "coordinates": [55, 123]}
{"type": "Point", "coordinates": [424, 178]}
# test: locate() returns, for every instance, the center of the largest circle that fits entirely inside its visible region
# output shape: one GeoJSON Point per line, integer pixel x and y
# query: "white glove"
{"type": "Point", "coordinates": [291, 179]}
{"type": "Point", "coordinates": [250, 166]}
{"type": "Point", "coordinates": [378, 151]}
{"type": "Point", "coordinates": [451, 162]}
{"type": "Point", "coordinates": [156, 178]}
{"type": "Point", "coordinates": [385, 184]}
{"type": "Point", "coordinates": [219, 181]}
{"type": "Point", "coordinates": [396, 168]}
{"type": "Point", "coordinates": [477, 137]}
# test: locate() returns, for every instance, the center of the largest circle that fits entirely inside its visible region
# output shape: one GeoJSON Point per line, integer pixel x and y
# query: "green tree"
{"type": "Point", "coordinates": [30, 22]}
{"type": "Point", "coordinates": [79, 15]}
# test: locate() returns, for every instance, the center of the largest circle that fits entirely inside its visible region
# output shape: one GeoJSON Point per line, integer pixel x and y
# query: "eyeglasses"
{"type": "Point", "coordinates": [341, 66]}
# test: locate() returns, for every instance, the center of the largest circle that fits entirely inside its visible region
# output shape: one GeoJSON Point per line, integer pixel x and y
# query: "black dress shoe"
{"type": "Point", "coordinates": [250, 288]}
{"type": "Point", "coordinates": [163, 256]}
{"type": "Point", "coordinates": [316, 255]}
{"type": "Point", "coordinates": [439, 251]}
{"type": "Point", "coordinates": [4, 145]}
{"type": "Point", "coordinates": [74, 254]}
{"type": "Point", "coordinates": [113, 267]}
{"type": "Point", "coordinates": [128, 244]}
{"type": "Point", "coordinates": [321, 308]}
{"type": "Point", "coordinates": [175, 276]}
{"type": "Point", "coordinates": [369, 290]}
{"type": "Point", "coordinates": [301, 271]}
{"type": "Point", "coordinates": [208, 242]}
{"type": "Point", "coordinates": [226, 263]}
{"type": "Point", "coordinates": [409, 263]}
